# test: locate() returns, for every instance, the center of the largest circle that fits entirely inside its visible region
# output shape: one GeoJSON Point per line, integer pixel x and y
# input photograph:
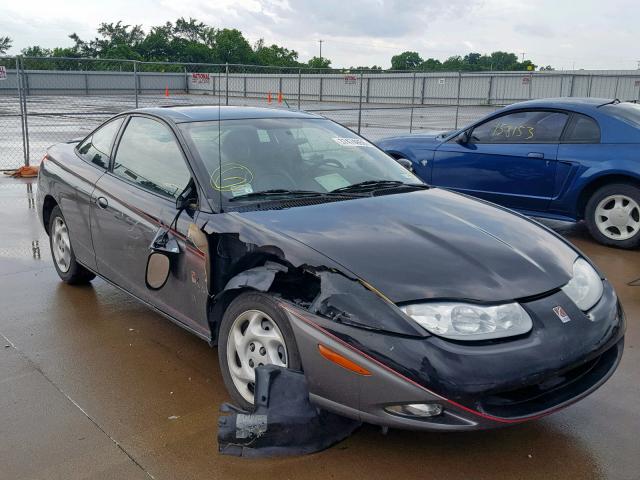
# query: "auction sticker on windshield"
{"type": "Point", "coordinates": [352, 142]}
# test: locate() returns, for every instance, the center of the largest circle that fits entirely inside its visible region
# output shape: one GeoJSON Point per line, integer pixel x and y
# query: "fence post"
{"type": "Point", "coordinates": [22, 113]}
{"type": "Point", "coordinates": [424, 80]}
{"type": "Point", "coordinates": [589, 87]}
{"type": "Point", "coordinates": [360, 105]}
{"type": "Point", "coordinates": [244, 85]}
{"type": "Point", "coordinates": [24, 85]}
{"type": "Point", "coordinates": [490, 89]}
{"type": "Point", "coordinates": [135, 81]}
{"type": "Point", "coordinates": [458, 99]}
{"type": "Point", "coordinates": [299, 86]}
{"type": "Point", "coordinates": [413, 99]}
{"type": "Point", "coordinates": [366, 99]}
{"type": "Point", "coordinates": [530, 82]}
{"type": "Point", "coordinates": [573, 79]}
{"type": "Point", "coordinates": [615, 92]}
{"type": "Point", "coordinates": [226, 89]}
{"type": "Point", "coordinates": [186, 80]}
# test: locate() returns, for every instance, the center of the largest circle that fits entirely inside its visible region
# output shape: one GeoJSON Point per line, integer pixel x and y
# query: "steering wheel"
{"type": "Point", "coordinates": [328, 161]}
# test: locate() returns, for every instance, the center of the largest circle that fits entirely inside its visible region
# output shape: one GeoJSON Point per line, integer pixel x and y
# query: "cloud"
{"type": "Point", "coordinates": [364, 32]}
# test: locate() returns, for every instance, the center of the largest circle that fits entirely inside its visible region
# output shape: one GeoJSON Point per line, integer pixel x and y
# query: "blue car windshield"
{"type": "Point", "coordinates": [307, 156]}
{"type": "Point", "coordinates": [625, 111]}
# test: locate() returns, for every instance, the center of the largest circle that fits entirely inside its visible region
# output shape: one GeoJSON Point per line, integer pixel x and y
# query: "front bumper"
{"type": "Point", "coordinates": [496, 385]}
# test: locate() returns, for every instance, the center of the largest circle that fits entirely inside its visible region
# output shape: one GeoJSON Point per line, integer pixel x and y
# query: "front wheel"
{"type": "Point", "coordinates": [613, 215]}
{"type": "Point", "coordinates": [254, 332]}
{"type": "Point", "coordinates": [69, 270]}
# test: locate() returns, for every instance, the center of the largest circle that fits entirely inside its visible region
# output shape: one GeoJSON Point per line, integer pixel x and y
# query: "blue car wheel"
{"type": "Point", "coordinates": [613, 215]}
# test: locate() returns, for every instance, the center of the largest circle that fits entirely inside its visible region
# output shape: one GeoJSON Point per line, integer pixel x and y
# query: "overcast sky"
{"type": "Point", "coordinates": [586, 34]}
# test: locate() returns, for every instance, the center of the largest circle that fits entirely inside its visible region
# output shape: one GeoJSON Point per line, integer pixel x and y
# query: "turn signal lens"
{"type": "Point", "coordinates": [342, 361]}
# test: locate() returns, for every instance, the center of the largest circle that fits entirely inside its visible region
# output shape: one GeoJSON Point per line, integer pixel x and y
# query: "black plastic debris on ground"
{"type": "Point", "coordinates": [284, 422]}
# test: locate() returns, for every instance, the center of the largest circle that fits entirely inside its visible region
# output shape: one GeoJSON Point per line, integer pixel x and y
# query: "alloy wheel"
{"type": "Point", "coordinates": [61, 245]}
{"type": "Point", "coordinates": [618, 217]}
{"type": "Point", "coordinates": [254, 340]}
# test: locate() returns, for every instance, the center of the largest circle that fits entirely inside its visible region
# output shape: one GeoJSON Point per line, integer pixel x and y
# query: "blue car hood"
{"type": "Point", "coordinates": [429, 244]}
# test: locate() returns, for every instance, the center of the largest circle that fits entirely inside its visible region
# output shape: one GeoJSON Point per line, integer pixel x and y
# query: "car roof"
{"type": "Point", "coordinates": [562, 102]}
{"type": "Point", "coordinates": [202, 113]}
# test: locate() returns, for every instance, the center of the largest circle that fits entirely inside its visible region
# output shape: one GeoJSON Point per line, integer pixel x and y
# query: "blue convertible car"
{"type": "Point", "coordinates": [566, 159]}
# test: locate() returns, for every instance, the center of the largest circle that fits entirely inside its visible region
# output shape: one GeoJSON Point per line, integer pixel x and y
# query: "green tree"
{"type": "Point", "coordinates": [36, 51]}
{"type": "Point", "coordinates": [431, 65]}
{"type": "Point", "coordinates": [5, 44]}
{"type": "Point", "coordinates": [317, 62]}
{"type": "Point", "coordinates": [230, 46]}
{"type": "Point", "coordinates": [274, 55]}
{"type": "Point", "coordinates": [406, 61]}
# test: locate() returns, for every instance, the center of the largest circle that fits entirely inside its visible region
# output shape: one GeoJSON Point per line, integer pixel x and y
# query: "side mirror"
{"type": "Point", "coordinates": [164, 248]}
{"type": "Point", "coordinates": [187, 197]}
{"type": "Point", "coordinates": [405, 163]}
{"type": "Point", "coordinates": [464, 137]}
{"type": "Point", "coordinates": [158, 268]}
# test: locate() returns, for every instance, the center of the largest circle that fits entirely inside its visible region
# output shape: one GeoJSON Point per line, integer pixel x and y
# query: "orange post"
{"type": "Point", "coordinates": [269, 98]}
{"type": "Point", "coordinates": [279, 97]}
{"type": "Point", "coordinates": [166, 91]}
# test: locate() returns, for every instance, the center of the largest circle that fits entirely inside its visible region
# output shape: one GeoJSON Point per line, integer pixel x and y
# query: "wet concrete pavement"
{"type": "Point", "coordinates": [95, 385]}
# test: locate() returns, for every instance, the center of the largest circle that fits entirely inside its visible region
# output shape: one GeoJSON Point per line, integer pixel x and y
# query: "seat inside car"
{"type": "Point", "coordinates": [265, 160]}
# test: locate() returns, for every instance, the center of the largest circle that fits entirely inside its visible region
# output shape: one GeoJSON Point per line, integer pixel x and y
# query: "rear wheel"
{"type": "Point", "coordinates": [69, 270]}
{"type": "Point", "coordinates": [613, 215]}
{"type": "Point", "coordinates": [254, 332]}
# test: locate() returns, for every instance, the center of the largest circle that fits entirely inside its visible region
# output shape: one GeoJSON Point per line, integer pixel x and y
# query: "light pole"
{"type": "Point", "coordinates": [320, 42]}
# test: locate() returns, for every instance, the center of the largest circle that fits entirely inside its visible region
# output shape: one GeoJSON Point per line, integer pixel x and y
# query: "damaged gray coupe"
{"type": "Point", "coordinates": [286, 239]}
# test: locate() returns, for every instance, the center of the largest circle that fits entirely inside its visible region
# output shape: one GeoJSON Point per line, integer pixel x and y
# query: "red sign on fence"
{"type": "Point", "coordinates": [350, 79]}
{"type": "Point", "coordinates": [200, 78]}
{"type": "Point", "coordinates": [3, 72]}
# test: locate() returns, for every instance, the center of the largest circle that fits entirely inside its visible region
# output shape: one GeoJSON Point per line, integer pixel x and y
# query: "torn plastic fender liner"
{"type": "Point", "coordinates": [284, 422]}
{"type": "Point", "coordinates": [260, 278]}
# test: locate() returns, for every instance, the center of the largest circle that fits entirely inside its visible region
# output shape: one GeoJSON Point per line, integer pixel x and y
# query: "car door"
{"type": "Point", "coordinates": [131, 203]}
{"type": "Point", "coordinates": [95, 151]}
{"type": "Point", "coordinates": [509, 159]}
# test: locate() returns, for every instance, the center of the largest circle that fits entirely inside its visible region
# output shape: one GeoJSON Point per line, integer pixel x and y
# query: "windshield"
{"type": "Point", "coordinates": [287, 155]}
{"type": "Point", "coordinates": [626, 111]}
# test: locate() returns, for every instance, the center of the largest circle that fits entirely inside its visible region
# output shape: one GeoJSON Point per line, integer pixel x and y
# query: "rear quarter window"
{"type": "Point", "coordinates": [582, 129]}
{"type": "Point", "coordinates": [96, 148]}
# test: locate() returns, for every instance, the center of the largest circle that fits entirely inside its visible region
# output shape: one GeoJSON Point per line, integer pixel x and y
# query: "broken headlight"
{"type": "Point", "coordinates": [465, 321]}
{"type": "Point", "coordinates": [585, 287]}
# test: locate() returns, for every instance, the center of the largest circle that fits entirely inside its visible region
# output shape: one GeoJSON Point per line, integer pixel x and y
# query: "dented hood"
{"type": "Point", "coordinates": [430, 244]}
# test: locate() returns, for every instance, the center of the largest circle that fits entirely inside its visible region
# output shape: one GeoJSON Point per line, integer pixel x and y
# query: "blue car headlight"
{"type": "Point", "coordinates": [465, 321]}
{"type": "Point", "coordinates": [585, 287]}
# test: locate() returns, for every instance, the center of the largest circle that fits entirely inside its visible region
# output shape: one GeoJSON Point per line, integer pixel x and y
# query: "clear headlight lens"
{"type": "Point", "coordinates": [465, 321]}
{"type": "Point", "coordinates": [585, 288]}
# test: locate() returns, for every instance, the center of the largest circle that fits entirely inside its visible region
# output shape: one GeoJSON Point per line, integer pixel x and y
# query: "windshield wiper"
{"type": "Point", "coordinates": [372, 185]}
{"type": "Point", "coordinates": [277, 192]}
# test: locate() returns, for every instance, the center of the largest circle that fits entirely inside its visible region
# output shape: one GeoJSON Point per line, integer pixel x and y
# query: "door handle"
{"type": "Point", "coordinates": [535, 155]}
{"type": "Point", "coordinates": [102, 202]}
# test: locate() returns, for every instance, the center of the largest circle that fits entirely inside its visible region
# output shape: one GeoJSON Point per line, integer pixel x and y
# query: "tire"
{"type": "Point", "coordinates": [612, 215]}
{"type": "Point", "coordinates": [64, 260]}
{"type": "Point", "coordinates": [238, 359]}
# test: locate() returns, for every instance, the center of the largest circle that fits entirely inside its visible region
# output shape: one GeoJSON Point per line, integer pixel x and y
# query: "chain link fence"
{"type": "Point", "coordinates": [51, 99]}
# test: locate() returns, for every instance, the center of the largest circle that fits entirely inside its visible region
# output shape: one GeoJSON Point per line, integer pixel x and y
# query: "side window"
{"type": "Point", "coordinates": [97, 148]}
{"type": "Point", "coordinates": [522, 127]}
{"type": "Point", "coordinates": [149, 156]}
{"type": "Point", "coordinates": [582, 129]}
